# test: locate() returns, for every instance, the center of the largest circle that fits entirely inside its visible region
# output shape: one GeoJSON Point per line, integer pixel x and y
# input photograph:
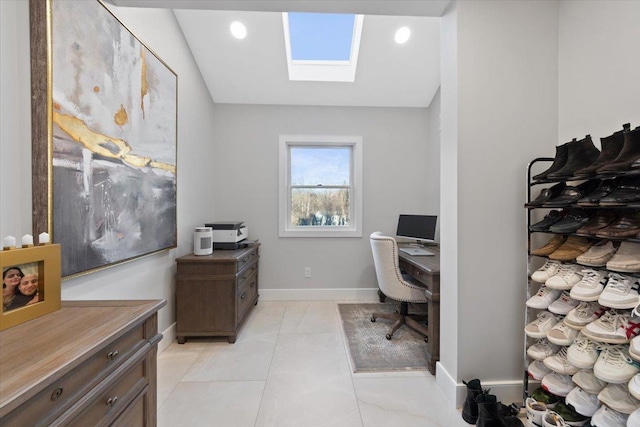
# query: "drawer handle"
{"type": "Point", "coordinates": [252, 285]}
{"type": "Point", "coordinates": [244, 294]}
{"type": "Point", "coordinates": [112, 401]}
{"type": "Point", "coordinates": [56, 393]}
{"type": "Point", "coordinates": [112, 355]}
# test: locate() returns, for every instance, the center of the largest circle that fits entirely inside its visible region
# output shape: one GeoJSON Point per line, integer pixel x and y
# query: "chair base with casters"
{"type": "Point", "coordinates": [403, 318]}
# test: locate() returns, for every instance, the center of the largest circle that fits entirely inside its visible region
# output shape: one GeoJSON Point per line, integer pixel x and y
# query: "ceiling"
{"type": "Point", "coordinates": [254, 70]}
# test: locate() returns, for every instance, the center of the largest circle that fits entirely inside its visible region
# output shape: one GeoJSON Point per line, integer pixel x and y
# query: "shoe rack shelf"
{"type": "Point", "coordinates": [534, 214]}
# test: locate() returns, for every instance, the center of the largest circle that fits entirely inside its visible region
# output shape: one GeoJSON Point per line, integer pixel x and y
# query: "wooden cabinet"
{"type": "Point", "coordinates": [215, 293]}
{"type": "Point", "coordinates": [89, 363]}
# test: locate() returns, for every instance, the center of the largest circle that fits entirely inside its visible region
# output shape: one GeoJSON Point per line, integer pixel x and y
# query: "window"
{"type": "Point", "coordinates": [320, 186]}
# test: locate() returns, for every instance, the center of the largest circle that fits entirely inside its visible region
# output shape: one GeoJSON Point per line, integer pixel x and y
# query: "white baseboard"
{"type": "Point", "coordinates": [338, 294]}
{"type": "Point", "coordinates": [507, 392]}
{"type": "Point", "coordinates": [168, 336]}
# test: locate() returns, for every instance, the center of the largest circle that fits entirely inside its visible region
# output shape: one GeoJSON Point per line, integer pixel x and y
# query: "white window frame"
{"type": "Point", "coordinates": [354, 229]}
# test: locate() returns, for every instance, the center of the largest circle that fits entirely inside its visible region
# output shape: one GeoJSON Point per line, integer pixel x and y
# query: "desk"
{"type": "Point", "coordinates": [426, 270]}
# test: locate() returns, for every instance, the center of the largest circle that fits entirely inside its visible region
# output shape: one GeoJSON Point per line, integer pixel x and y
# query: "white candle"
{"type": "Point", "coordinates": [43, 238]}
{"type": "Point", "coordinates": [9, 242]}
{"type": "Point", "coordinates": [27, 240]}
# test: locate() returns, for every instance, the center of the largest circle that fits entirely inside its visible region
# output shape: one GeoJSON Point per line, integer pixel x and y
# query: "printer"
{"type": "Point", "coordinates": [229, 234]}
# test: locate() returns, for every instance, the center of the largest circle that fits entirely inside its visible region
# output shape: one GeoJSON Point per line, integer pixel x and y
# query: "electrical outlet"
{"type": "Point", "coordinates": [307, 272]}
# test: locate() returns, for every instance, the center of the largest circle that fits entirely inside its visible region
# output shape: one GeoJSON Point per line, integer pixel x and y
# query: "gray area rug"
{"type": "Point", "coordinates": [369, 349]}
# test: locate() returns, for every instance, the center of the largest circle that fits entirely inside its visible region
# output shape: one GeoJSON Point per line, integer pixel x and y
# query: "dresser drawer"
{"type": "Point", "coordinates": [114, 398]}
{"type": "Point", "coordinates": [247, 259]}
{"type": "Point", "coordinates": [71, 387]}
{"type": "Point", "coordinates": [247, 293]}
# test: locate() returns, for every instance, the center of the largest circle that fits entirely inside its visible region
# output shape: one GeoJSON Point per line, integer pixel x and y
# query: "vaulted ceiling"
{"type": "Point", "coordinates": [254, 70]}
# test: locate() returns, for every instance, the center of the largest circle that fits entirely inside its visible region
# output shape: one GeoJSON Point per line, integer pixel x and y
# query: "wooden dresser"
{"type": "Point", "coordinates": [215, 293]}
{"type": "Point", "coordinates": [91, 363]}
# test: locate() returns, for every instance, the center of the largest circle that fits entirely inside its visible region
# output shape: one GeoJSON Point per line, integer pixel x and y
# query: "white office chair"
{"type": "Point", "coordinates": [392, 285]}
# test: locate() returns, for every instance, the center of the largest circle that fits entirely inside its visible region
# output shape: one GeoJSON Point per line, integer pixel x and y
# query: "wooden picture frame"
{"type": "Point", "coordinates": [43, 261]}
{"type": "Point", "coordinates": [104, 137]}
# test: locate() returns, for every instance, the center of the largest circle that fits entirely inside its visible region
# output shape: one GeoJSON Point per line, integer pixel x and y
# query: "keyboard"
{"type": "Point", "coordinates": [416, 251]}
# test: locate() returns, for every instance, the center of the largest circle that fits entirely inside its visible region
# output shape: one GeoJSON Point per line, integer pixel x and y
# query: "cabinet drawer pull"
{"type": "Point", "coordinates": [112, 401]}
{"type": "Point", "coordinates": [56, 393]}
{"type": "Point", "coordinates": [252, 285]}
{"type": "Point", "coordinates": [244, 294]}
{"type": "Point", "coordinates": [112, 355]}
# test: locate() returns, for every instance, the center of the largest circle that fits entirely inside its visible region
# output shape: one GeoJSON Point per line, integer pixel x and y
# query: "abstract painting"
{"type": "Point", "coordinates": [112, 141]}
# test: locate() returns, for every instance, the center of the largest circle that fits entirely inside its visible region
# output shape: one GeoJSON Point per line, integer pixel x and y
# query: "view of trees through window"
{"type": "Point", "coordinates": [320, 206]}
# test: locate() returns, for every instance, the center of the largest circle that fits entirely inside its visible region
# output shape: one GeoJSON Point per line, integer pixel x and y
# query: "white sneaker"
{"type": "Point", "coordinates": [535, 411]}
{"type": "Point", "coordinates": [539, 327]}
{"type": "Point", "coordinates": [550, 268]}
{"type": "Point", "coordinates": [562, 334]}
{"type": "Point", "coordinates": [558, 384]}
{"type": "Point", "coordinates": [588, 382]}
{"type": "Point", "coordinates": [590, 286]}
{"type": "Point", "coordinates": [583, 314]}
{"type": "Point", "coordinates": [634, 348]}
{"type": "Point", "coordinates": [584, 403]}
{"type": "Point", "coordinates": [607, 417]}
{"type": "Point", "coordinates": [558, 362]}
{"type": "Point", "coordinates": [542, 349]}
{"type": "Point", "coordinates": [634, 419]}
{"type": "Point", "coordinates": [537, 370]}
{"type": "Point", "coordinates": [634, 386]}
{"type": "Point", "coordinates": [613, 328]}
{"type": "Point", "coordinates": [617, 397]}
{"type": "Point", "coordinates": [552, 419]}
{"type": "Point", "coordinates": [614, 364]}
{"type": "Point", "coordinates": [567, 276]}
{"type": "Point", "coordinates": [543, 298]}
{"type": "Point", "coordinates": [563, 304]}
{"type": "Point", "coordinates": [583, 353]}
{"type": "Point", "coordinates": [621, 292]}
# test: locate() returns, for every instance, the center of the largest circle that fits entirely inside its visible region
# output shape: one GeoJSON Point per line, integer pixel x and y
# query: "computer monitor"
{"type": "Point", "coordinates": [419, 227]}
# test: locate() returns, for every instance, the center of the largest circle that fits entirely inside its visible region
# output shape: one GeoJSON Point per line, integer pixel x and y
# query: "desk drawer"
{"type": "Point", "coordinates": [114, 398]}
{"type": "Point", "coordinates": [247, 293]}
{"type": "Point", "coordinates": [247, 259]}
{"type": "Point", "coordinates": [71, 387]}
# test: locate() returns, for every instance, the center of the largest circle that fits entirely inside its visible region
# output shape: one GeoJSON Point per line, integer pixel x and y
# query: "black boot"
{"type": "Point", "coordinates": [581, 154]}
{"type": "Point", "coordinates": [628, 155]}
{"type": "Point", "coordinates": [610, 149]}
{"type": "Point", "coordinates": [558, 161]}
{"type": "Point", "coordinates": [470, 407]}
{"type": "Point", "coordinates": [490, 413]}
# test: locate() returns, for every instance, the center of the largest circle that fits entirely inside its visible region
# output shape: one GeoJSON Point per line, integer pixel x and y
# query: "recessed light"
{"type": "Point", "coordinates": [238, 30]}
{"type": "Point", "coordinates": [402, 35]}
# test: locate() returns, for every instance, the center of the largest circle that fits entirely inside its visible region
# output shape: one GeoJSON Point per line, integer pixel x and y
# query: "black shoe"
{"type": "Point", "coordinates": [470, 407]}
{"type": "Point", "coordinates": [549, 219]}
{"type": "Point", "coordinates": [546, 194]}
{"type": "Point", "coordinates": [489, 413]}
{"type": "Point", "coordinates": [571, 194]}
{"type": "Point", "coordinates": [558, 161]}
{"type": "Point", "coordinates": [628, 155]}
{"type": "Point", "coordinates": [573, 220]}
{"type": "Point", "coordinates": [581, 154]}
{"type": "Point", "coordinates": [605, 188]}
{"type": "Point", "coordinates": [611, 147]}
{"type": "Point", "coordinates": [628, 191]}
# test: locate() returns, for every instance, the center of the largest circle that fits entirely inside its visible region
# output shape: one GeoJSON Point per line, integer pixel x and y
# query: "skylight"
{"type": "Point", "coordinates": [322, 46]}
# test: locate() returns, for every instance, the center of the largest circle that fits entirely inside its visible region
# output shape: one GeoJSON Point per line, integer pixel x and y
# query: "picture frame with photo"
{"type": "Point", "coordinates": [31, 283]}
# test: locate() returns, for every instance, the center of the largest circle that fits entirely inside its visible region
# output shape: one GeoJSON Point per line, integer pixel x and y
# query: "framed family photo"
{"type": "Point", "coordinates": [104, 137]}
{"type": "Point", "coordinates": [30, 283]}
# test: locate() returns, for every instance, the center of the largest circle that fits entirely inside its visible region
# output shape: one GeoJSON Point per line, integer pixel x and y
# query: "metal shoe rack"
{"type": "Point", "coordinates": [532, 260]}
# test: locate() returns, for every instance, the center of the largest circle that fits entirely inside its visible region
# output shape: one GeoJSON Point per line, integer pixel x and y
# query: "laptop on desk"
{"type": "Point", "coordinates": [416, 251]}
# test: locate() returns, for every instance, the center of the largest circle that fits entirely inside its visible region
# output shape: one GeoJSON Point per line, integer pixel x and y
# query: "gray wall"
{"type": "Point", "coordinates": [398, 177]}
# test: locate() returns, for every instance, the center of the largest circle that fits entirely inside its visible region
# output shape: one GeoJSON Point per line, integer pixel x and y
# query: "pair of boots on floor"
{"type": "Point", "coordinates": [484, 410]}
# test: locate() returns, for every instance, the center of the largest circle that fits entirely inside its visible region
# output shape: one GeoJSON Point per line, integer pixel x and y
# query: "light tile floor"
{"type": "Point", "coordinates": [290, 368]}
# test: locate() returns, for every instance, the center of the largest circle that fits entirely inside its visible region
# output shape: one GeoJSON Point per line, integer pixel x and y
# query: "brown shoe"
{"type": "Point", "coordinates": [602, 219]}
{"type": "Point", "coordinates": [628, 225]}
{"type": "Point", "coordinates": [550, 247]}
{"type": "Point", "coordinates": [571, 248]}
